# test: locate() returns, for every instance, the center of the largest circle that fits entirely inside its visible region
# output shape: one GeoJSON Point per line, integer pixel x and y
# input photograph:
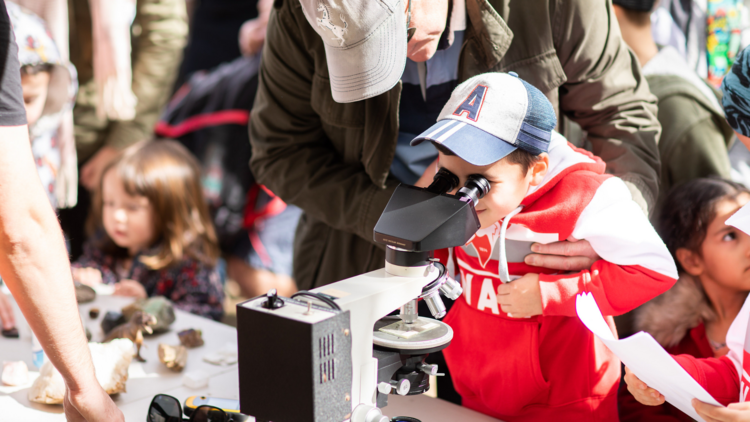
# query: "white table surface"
{"type": "Point", "coordinates": [150, 378]}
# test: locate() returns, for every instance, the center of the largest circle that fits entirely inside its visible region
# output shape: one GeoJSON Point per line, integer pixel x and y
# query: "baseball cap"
{"type": "Point", "coordinates": [491, 115]}
{"type": "Point", "coordinates": [365, 44]}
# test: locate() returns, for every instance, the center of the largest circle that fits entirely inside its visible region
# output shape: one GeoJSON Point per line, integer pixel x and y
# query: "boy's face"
{"type": "Point", "coordinates": [508, 184]}
{"type": "Point", "coordinates": [35, 89]}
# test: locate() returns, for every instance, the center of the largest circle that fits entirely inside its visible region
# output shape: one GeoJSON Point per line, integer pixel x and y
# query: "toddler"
{"type": "Point", "coordinates": [152, 234]}
{"type": "Point", "coordinates": [49, 88]}
{"type": "Point", "coordinates": [519, 352]}
{"type": "Point", "coordinates": [693, 317]}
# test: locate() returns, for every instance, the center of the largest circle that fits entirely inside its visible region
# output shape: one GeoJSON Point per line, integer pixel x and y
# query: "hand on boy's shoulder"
{"type": "Point", "coordinates": [565, 255]}
{"type": "Point", "coordinates": [130, 288]}
{"type": "Point", "coordinates": [521, 298]}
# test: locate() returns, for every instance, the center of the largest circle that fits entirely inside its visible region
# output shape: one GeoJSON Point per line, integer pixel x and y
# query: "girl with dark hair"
{"type": "Point", "coordinates": [713, 259]}
{"type": "Point", "coordinates": [151, 230]}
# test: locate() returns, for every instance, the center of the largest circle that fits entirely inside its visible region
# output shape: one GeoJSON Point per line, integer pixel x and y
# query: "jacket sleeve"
{"type": "Point", "coordinates": [700, 151]}
{"type": "Point", "coordinates": [291, 152]}
{"type": "Point", "coordinates": [157, 56]}
{"type": "Point", "coordinates": [635, 266]}
{"type": "Point", "coordinates": [607, 95]}
{"type": "Point", "coordinates": [718, 376]}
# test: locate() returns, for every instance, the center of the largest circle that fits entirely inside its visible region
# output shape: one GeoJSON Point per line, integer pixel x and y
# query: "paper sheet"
{"type": "Point", "coordinates": [741, 219]}
{"type": "Point", "coordinates": [647, 359]}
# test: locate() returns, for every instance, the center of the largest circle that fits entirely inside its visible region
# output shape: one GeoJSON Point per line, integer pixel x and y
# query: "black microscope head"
{"type": "Point", "coordinates": [427, 219]}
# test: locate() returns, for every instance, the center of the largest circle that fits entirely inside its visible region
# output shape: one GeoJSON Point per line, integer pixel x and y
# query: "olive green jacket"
{"type": "Point", "coordinates": [695, 136]}
{"type": "Point", "coordinates": [159, 36]}
{"type": "Point", "coordinates": [333, 160]}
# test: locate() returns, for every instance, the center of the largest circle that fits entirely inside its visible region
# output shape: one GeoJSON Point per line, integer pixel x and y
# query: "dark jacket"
{"type": "Point", "coordinates": [695, 135]}
{"type": "Point", "coordinates": [333, 160]}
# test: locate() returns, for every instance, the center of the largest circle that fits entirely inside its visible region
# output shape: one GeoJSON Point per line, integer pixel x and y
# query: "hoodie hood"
{"type": "Point", "coordinates": [670, 316]}
{"type": "Point", "coordinates": [35, 47]}
{"type": "Point", "coordinates": [563, 159]}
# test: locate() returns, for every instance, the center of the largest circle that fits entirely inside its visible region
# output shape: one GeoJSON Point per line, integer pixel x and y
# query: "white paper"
{"type": "Point", "coordinates": [647, 359]}
{"type": "Point", "coordinates": [741, 219]}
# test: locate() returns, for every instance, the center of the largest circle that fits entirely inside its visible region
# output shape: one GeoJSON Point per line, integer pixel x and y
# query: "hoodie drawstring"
{"type": "Point", "coordinates": [502, 267]}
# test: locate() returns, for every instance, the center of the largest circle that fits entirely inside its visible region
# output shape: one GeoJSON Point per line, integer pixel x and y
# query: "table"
{"type": "Point", "coordinates": [150, 378]}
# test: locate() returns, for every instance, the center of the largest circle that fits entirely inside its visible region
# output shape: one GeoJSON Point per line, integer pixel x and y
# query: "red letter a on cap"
{"type": "Point", "coordinates": [472, 105]}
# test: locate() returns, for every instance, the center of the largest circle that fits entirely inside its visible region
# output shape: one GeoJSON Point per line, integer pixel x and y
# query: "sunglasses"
{"type": "Point", "coordinates": [166, 408]}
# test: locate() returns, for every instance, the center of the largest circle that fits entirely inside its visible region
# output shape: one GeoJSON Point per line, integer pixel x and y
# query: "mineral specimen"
{"type": "Point", "coordinates": [111, 320]}
{"type": "Point", "coordinates": [111, 363]}
{"type": "Point", "coordinates": [94, 313]}
{"type": "Point", "coordinates": [174, 357]}
{"type": "Point", "coordinates": [191, 338]}
{"type": "Point", "coordinates": [15, 373]}
{"type": "Point", "coordinates": [158, 306]}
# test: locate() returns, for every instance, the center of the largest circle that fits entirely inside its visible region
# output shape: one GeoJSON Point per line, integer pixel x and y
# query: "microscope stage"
{"type": "Point", "coordinates": [424, 336]}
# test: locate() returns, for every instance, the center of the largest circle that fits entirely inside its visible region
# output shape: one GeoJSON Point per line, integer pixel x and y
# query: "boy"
{"type": "Point", "coordinates": [518, 351]}
{"type": "Point", "coordinates": [49, 89]}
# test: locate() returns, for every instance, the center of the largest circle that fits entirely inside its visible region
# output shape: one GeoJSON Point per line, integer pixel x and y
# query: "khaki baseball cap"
{"type": "Point", "coordinates": [365, 44]}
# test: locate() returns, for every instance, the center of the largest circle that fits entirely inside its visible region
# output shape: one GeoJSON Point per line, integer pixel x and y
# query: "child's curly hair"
{"type": "Point", "coordinates": [170, 177]}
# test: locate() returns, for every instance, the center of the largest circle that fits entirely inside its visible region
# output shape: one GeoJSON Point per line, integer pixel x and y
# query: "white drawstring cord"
{"type": "Point", "coordinates": [502, 267]}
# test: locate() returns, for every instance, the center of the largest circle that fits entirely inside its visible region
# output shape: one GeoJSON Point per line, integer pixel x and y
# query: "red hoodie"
{"type": "Point", "coordinates": [551, 367]}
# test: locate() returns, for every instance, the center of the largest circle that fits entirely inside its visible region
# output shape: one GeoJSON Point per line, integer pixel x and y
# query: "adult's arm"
{"type": "Point", "coordinates": [34, 264]}
{"type": "Point", "coordinates": [608, 96]}
{"type": "Point", "coordinates": [157, 55]}
{"type": "Point", "coordinates": [291, 154]}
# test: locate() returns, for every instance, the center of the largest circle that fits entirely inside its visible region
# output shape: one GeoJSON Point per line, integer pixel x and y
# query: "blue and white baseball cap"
{"type": "Point", "coordinates": [491, 115]}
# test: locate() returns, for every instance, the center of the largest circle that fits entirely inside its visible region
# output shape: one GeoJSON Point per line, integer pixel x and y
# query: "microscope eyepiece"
{"type": "Point", "coordinates": [443, 182]}
{"type": "Point", "coordinates": [475, 188]}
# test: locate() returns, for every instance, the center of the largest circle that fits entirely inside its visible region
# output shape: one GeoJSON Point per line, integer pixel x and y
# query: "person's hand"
{"type": "Point", "coordinates": [6, 313]}
{"type": "Point", "coordinates": [130, 288]}
{"type": "Point", "coordinates": [642, 392]}
{"type": "Point", "coordinates": [91, 405]}
{"type": "Point", "coordinates": [253, 32]}
{"type": "Point", "coordinates": [91, 172]}
{"type": "Point", "coordinates": [565, 255]}
{"type": "Point", "coordinates": [735, 412]}
{"type": "Point", "coordinates": [88, 276]}
{"type": "Point", "coordinates": [521, 298]}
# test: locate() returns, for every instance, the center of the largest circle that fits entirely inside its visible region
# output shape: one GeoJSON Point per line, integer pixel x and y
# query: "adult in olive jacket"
{"type": "Point", "coordinates": [333, 160]}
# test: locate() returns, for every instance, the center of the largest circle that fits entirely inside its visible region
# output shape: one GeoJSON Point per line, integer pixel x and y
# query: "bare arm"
{"type": "Point", "coordinates": [35, 266]}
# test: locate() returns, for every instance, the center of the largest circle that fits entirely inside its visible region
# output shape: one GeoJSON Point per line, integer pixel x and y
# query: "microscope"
{"type": "Point", "coordinates": [334, 354]}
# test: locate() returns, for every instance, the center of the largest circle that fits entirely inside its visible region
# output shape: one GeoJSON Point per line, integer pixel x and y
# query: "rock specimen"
{"type": "Point", "coordinates": [15, 373]}
{"type": "Point", "coordinates": [111, 320]}
{"type": "Point", "coordinates": [111, 363]}
{"type": "Point", "coordinates": [158, 306]}
{"type": "Point", "coordinates": [84, 293]}
{"type": "Point", "coordinates": [174, 357]}
{"type": "Point", "coordinates": [10, 333]}
{"type": "Point", "coordinates": [94, 313]}
{"type": "Point", "coordinates": [133, 330]}
{"type": "Point", "coordinates": [191, 338]}
{"type": "Point", "coordinates": [195, 379]}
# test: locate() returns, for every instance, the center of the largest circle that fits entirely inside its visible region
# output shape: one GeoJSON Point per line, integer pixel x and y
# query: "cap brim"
{"type": "Point", "coordinates": [470, 143]}
{"type": "Point", "coordinates": [370, 67]}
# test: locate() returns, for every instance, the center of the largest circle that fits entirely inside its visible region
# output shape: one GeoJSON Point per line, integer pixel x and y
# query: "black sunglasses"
{"type": "Point", "coordinates": [166, 408]}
